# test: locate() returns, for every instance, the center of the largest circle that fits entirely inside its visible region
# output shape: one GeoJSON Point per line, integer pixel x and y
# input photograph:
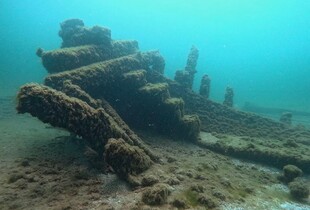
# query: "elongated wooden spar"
{"type": "Point", "coordinates": [75, 91]}
{"type": "Point", "coordinates": [70, 58]}
{"type": "Point", "coordinates": [95, 77]}
{"type": "Point", "coordinates": [59, 110]}
{"type": "Point", "coordinates": [216, 117]}
{"type": "Point", "coordinates": [126, 159]}
{"type": "Point", "coordinates": [123, 47]}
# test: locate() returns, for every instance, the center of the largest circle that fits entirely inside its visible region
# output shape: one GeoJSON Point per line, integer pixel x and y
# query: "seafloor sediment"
{"type": "Point", "coordinates": [125, 115]}
{"type": "Point", "coordinates": [45, 168]}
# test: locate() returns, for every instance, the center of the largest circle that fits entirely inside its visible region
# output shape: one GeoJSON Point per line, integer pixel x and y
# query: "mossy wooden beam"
{"type": "Point", "coordinates": [69, 58]}
{"type": "Point", "coordinates": [73, 57]}
{"type": "Point", "coordinates": [165, 113]}
{"type": "Point", "coordinates": [126, 159]}
{"type": "Point", "coordinates": [75, 91]}
{"type": "Point", "coordinates": [157, 92]}
{"type": "Point", "coordinates": [123, 47]}
{"type": "Point", "coordinates": [137, 141]}
{"type": "Point", "coordinates": [74, 33]}
{"type": "Point", "coordinates": [59, 110]}
{"type": "Point", "coordinates": [95, 77]}
{"type": "Point", "coordinates": [189, 127]}
{"type": "Point", "coordinates": [135, 79]}
{"type": "Point", "coordinates": [152, 61]}
{"type": "Point", "coordinates": [269, 151]}
{"type": "Point", "coordinates": [217, 118]}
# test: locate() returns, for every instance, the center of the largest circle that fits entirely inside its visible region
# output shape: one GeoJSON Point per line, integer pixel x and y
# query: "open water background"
{"type": "Point", "coordinates": [261, 48]}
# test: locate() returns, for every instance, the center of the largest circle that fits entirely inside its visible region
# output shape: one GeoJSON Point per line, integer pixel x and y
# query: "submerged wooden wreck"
{"type": "Point", "coordinates": [99, 88]}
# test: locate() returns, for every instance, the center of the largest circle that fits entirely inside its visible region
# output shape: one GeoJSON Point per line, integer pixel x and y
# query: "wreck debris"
{"type": "Point", "coordinates": [60, 110]}
{"type": "Point", "coordinates": [299, 189]}
{"type": "Point", "coordinates": [183, 77]}
{"type": "Point", "coordinates": [192, 60]}
{"type": "Point", "coordinates": [74, 33]}
{"type": "Point", "coordinates": [90, 83]}
{"type": "Point", "coordinates": [186, 77]}
{"type": "Point", "coordinates": [93, 77]}
{"type": "Point", "coordinates": [98, 75]}
{"type": "Point", "coordinates": [39, 52]}
{"type": "Point", "coordinates": [73, 57]}
{"type": "Point", "coordinates": [133, 136]}
{"type": "Point", "coordinates": [229, 97]}
{"type": "Point", "coordinates": [147, 103]}
{"type": "Point", "coordinates": [75, 91]}
{"type": "Point", "coordinates": [166, 113]}
{"type": "Point", "coordinates": [292, 177]}
{"type": "Point", "coordinates": [291, 172]}
{"type": "Point", "coordinates": [126, 159]}
{"type": "Point", "coordinates": [105, 90]}
{"type": "Point", "coordinates": [190, 127]}
{"type": "Point", "coordinates": [136, 78]}
{"type": "Point", "coordinates": [218, 118]}
{"type": "Point", "coordinates": [56, 108]}
{"type": "Point", "coordinates": [204, 89]}
{"type": "Point", "coordinates": [70, 58]}
{"type": "Point", "coordinates": [269, 151]}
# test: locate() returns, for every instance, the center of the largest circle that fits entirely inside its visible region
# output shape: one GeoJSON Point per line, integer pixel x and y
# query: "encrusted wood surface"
{"type": "Point", "coordinates": [58, 109]}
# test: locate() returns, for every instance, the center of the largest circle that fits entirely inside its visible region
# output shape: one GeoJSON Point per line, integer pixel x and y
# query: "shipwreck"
{"type": "Point", "coordinates": [103, 89]}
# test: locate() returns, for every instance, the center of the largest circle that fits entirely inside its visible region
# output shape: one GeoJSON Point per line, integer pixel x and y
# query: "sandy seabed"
{"type": "Point", "coordinates": [42, 167]}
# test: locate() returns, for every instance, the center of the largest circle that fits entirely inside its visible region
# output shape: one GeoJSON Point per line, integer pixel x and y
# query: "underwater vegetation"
{"type": "Point", "coordinates": [102, 90]}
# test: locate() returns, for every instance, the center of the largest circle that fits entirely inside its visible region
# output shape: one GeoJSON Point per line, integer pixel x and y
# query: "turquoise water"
{"type": "Point", "coordinates": [260, 47]}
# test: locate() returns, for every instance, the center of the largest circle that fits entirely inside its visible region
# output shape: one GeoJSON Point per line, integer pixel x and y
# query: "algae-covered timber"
{"type": "Point", "coordinates": [92, 101]}
{"type": "Point", "coordinates": [218, 118]}
{"type": "Point", "coordinates": [74, 33]}
{"type": "Point", "coordinates": [221, 120]}
{"type": "Point", "coordinates": [58, 109]}
{"type": "Point", "coordinates": [92, 77]}
{"type": "Point", "coordinates": [269, 151]}
{"type": "Point", "coordinates": [73, 57]}
{"type": "Point", "coordinates": [126, 159]}
{"type": "Point", "coordinates": [97, 75]}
